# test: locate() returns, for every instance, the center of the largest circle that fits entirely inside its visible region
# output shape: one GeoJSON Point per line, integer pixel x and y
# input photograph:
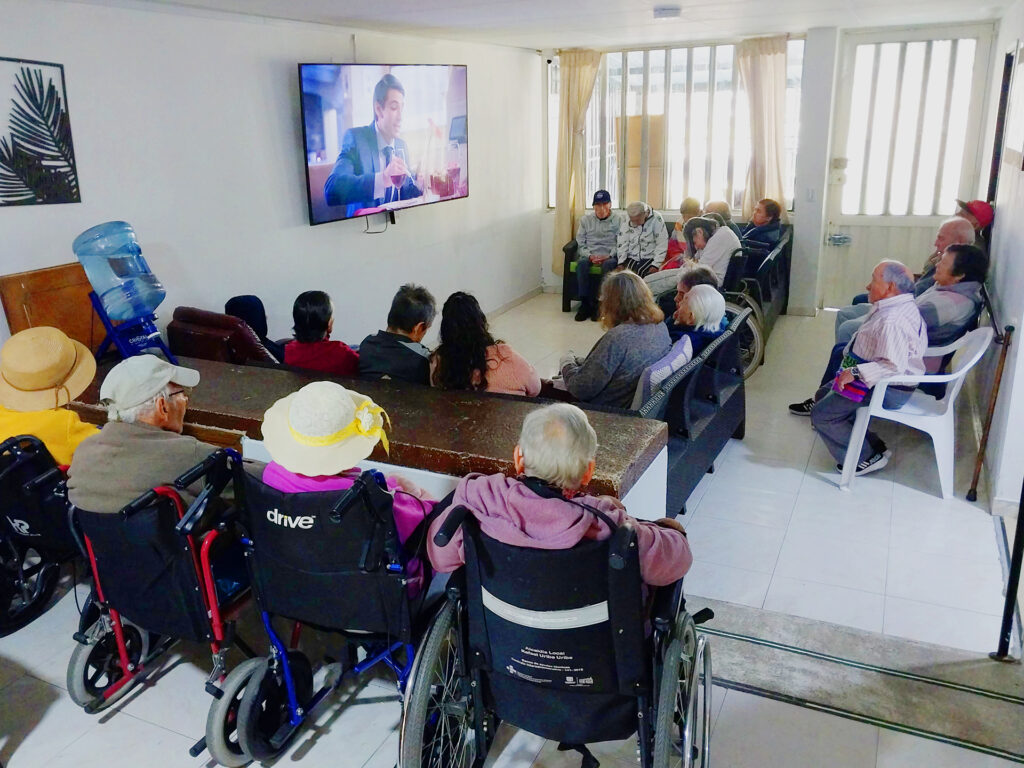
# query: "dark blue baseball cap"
{"type": "Point", "coordinates": [601, 196]}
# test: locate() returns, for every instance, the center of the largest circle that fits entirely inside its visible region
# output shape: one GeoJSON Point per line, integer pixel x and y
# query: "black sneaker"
{"type": "Point", "coordinates": [802, 408]}
{"type": "Point", "coordinates": [871, 464]}
{"type": "Point", "coordinates": [583, 312]}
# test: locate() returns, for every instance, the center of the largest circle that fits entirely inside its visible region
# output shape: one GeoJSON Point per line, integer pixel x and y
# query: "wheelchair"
{"type": "Point", "coordinates": [35, 535]}
{"type": "Point", "coordinates": [156, 581]}
{"type": "Point", "coordinates": [331, 561]}
{"type": "Point", "coordinates": [554, 642]}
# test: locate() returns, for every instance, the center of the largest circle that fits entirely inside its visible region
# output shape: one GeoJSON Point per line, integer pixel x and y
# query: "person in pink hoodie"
{"type": "Point", "coordinates": [556, 456]}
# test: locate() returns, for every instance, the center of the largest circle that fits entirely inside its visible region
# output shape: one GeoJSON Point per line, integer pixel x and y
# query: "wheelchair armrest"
{"type": "Point", "coordinates": [450, 525]}
{"type": "Point", "coordinates": [139, 504]}
{"type": "Point", "coordinates": [668, 601]}
{"type": "Point", "coordinates": [52, 475]}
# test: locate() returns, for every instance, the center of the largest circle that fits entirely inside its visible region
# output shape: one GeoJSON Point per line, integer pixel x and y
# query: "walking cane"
{"type": "Point", "coordinates": [972, 493]}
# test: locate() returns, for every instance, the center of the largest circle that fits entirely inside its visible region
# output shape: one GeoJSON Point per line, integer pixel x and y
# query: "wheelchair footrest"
{"type": "Point", "coordinates": [703, 615]}
{"type": "Point", "coordinates": [198, 748]}
{"type": "Point", "coordinates": [589, 761]}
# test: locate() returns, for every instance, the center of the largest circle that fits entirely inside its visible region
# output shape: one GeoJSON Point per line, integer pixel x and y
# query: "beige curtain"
{"type": "Point", "coordinates": [577, 73]}
{"type": "Point", "coordinates": [762, 68]}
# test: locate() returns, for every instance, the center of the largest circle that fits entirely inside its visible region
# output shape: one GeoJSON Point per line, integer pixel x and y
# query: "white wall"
{"type": "Point", "coordinates": [810, 185]}
{"type": "Point", "coordinates": [187, 125]}
{"type": "Point", "coordinates": [1005, 460]}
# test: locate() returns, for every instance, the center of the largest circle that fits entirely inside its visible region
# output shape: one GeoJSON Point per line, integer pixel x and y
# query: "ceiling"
{"type": "Point", "coordinates": [552, 24]}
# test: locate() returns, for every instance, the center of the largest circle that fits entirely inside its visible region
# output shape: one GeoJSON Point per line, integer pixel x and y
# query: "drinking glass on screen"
{"type": "Point", "coordinates": [399, 179]}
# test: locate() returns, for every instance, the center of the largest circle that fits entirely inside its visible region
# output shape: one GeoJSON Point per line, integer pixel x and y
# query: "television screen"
{"type": "Point", "coordinates": [382, 137]}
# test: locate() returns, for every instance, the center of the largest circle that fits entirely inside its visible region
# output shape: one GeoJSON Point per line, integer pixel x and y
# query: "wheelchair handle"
{"type": "Point", "coordinates": [450, 525]}
{"type": "Point", "coordinates": [199, 470]}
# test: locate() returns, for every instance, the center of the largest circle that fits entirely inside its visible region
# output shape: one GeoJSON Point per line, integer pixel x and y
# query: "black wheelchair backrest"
{"type": "Point", "coordinates": [147, 570]}
{"type": "Point", "coordinates": [559, 634]}
{"type": "Point", "coordinates": [330, 564]}
{"type": "Point", "coordinates": [33, 496]}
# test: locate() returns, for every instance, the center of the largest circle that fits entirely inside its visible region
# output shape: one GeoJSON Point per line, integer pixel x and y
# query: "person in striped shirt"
{"type": "Point", "coordinates": [891, 342]}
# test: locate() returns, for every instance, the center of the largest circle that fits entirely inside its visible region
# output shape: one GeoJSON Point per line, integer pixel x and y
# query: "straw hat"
{"type": "Point", "coordinates": [41, 368]}
{"type": "Point", "coordinates": [323, 429]}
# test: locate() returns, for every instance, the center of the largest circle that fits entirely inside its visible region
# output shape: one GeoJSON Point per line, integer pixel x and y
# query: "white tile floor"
{"type": "Point", "coordinates": [768, 530]}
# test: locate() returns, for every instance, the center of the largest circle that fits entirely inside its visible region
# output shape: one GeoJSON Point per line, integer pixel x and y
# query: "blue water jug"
{"type": "Point", "coordinates": [120, 276]}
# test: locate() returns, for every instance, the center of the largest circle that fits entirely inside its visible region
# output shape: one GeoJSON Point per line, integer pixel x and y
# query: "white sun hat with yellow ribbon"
{"type": "Point", "coordinates": [323, 429]}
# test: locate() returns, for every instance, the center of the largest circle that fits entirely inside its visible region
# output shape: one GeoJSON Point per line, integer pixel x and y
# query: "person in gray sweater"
{"type": "Point", "coordinates": [636, 338]}
{"type": "Point", "coordinates": [596, 239]}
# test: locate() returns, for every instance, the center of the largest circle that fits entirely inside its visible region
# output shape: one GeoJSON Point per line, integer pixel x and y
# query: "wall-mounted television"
{"type": "Point", "coordinates": [380, 137]}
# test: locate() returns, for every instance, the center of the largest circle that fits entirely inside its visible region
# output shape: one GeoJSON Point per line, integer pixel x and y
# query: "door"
{"type": "Point", "coordinates": [906, 145]}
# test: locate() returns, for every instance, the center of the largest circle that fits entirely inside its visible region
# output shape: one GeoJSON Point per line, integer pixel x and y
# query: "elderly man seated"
{"type": "Point", "coordinates": [544, 507]}
{"type": "Point", "coordinates": [948, 308]}
{"type": "Point", "coordinates": [891, 342]}
{"type": "Point", "coordinates": [642, 241]}
{"type": "Point", "coordinates": [596, 240]}
{"type": "Point", "coordinates": [142, 446]}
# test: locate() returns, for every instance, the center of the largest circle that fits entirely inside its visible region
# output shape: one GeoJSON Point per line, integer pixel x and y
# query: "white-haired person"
{"type": "Point", "coordinates": [546, 506]}
{"type": "Point", "coordinates": [635, 338]}
{"type": "Point", "coordinates": [41, 371]}
{"type": "Point", "coordinates": [642, 240]}
{"type": "Point", "coordinates": [702, 309]}
{"type": "Point", "coordinates": [711, 245]}
{"type": "Point", "coordinates": [141, 446]}
{"type": "Point", "coordinates": [316, 437]}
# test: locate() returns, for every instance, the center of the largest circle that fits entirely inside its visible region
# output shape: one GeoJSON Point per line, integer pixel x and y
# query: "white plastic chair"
{"type": "Point", "coordinates": [922, 411]}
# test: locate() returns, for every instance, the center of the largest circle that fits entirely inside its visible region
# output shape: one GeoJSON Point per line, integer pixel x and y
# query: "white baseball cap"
{"type": "Point", "coordinates": [138, 379]}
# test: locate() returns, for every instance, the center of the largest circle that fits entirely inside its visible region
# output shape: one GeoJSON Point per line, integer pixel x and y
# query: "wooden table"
{"type": "Point", "coordinates": [451, 433]}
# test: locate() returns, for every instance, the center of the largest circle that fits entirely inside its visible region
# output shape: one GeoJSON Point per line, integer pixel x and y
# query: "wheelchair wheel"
{"type": "Point", "coordinates": [263, 708]}
{"type": "Point", "coordinates": [438, 724]}
{"type": "Point", "coordinates": [96, 667]}
{"type": "Point", "coordinates": [27, 581]}
{"type": "Point", "coordinates": [677, 741]}
{"type": "Point", "coordinates": [751, 340]}
{"type": "Point", "coordinates": [222, 739]}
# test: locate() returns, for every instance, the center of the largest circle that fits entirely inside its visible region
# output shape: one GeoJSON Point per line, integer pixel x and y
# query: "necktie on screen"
{"type": "Point", "coordinates": [388, 152]}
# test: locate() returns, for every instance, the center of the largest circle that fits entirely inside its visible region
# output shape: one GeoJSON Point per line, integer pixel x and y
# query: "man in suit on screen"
{"type": "Point", "coordinates": [373, 166]}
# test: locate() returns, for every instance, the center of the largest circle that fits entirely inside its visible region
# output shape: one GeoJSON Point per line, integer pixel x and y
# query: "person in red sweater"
{"type": "Point", "coordinates": [312, 348]}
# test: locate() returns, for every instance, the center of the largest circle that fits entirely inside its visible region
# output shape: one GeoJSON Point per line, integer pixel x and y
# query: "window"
{"type": "Point", "coordinates": [669, 123]}
{"type": "Point", "coordinates": [907, 134]}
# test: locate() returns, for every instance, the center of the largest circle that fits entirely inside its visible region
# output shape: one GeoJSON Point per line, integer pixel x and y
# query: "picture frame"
{"type": "Point", "coordinates": [37, 155]}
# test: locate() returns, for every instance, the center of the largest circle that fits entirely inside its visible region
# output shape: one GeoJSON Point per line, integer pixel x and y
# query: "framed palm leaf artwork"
{"type": "Point", "coordinates": [37, 158]}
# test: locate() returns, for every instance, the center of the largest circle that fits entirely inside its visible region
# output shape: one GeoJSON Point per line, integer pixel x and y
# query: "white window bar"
{"type": "Point", "coordinates": [666, 128]}
{"type": "Point", "coordinates": [709, 150]}
{"type": "Point", "coordinates": [731, 172]}
{"type": "Point", "coordinates": [925, 72]}
{"type": "Point", "coordinates": [689, 120]}
{"type": "Point", "coordinates": [623, 125]}
{"type": "Point", "coordinates": [951, 71]}
{"type": "Point", "coordinates": [866, 162]}
{"type": "Point", "coordinates": [895, 125]}
{"type": "Point", "coordinates": [645, 127]}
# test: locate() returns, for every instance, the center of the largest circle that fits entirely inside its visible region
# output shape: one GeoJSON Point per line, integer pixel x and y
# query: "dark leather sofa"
{"type": "Point", "coordinates": [207, 335]}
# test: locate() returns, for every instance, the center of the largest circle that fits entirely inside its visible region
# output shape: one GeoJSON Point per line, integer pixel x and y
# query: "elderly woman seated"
{"type": "Point", "coordinates": [723, 209]}
{"type": "Point", "coordinates": [702, 311]}
{"type": "Point", "coordinates": [677, 252]}
{"type": "Point", "coordinates": [636, 337]}
{"type": "Point", "coordinates": [317, 435]}
{"type": "Point", "coordinates": [544, 507]}
{"type": "Point", "coordinates": [712, 245]}
{"type": "Point", "coordinates": [41, 371]}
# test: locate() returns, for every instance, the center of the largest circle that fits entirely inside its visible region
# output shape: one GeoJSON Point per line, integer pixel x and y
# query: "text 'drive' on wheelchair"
{"type": "Point", "coordinates": [554, 642]}
{"type": "Point", "coordinates": [161, 574]}
{"type": "Point", "coordinates": [331, 561]}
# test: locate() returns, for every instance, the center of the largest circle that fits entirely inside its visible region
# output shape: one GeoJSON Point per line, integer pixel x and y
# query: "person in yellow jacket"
{"type": "Point", "coordinates": [41, 371]}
